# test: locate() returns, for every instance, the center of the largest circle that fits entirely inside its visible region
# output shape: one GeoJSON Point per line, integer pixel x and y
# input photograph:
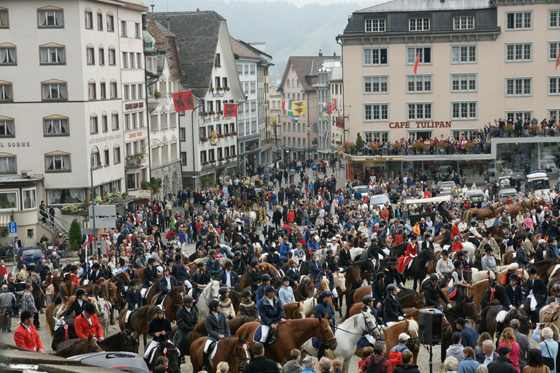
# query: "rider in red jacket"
{"type": "Point", "coordinates": [26, 336]}
{"type": "Point", "coordinates": [88, 323]}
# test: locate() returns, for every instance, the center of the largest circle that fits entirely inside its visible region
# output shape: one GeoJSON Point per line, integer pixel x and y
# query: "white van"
{"type": "Point", "coordinates": [538, 182]}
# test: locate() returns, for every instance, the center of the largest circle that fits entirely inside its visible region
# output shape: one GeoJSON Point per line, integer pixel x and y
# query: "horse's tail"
{"type": "Point", "coordinates": [50, 318]}
{"type": "Point", "coordinates": [482, 327]}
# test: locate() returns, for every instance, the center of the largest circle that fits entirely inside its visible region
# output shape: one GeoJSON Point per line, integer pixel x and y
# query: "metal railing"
{"type": "Point", "coordinates": [60, 225]}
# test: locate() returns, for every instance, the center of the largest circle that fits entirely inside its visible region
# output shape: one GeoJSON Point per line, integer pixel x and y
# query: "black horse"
{"type": "Point", "coordinates": [418, 268]}
{"type": "Point", "coordinates": [64, 333]}
{"type": "Point", "coordinates": [171, 352]}
{"type": "Point", "coordinates": [464, 309]}
{"type": "Point", "coordinates": [493, 295]}
{"type": "Point", "coordinates": [122, 341]}
{"type": "Point", "coordinates": [489, 323]}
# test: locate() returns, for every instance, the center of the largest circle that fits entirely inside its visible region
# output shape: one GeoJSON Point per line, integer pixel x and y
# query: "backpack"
{"type": "Point", "coordinates": [375, 367]}
{"type": "Point", "coordinates": [395, 358]}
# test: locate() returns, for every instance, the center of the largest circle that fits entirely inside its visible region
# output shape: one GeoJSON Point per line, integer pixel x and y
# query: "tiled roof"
{"type": "Point", "coordinates": [239, 50]}
{"type": "Point", "coordinates": [425, 5]}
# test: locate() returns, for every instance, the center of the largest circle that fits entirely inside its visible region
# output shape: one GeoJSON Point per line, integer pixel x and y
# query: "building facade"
{"type": "Point", "coordinates": [326, 136]}
{"type": "Point", "coordinates": [478, 60]}
{"type": "Point", "coordinates": [275, 110]}
{"type": "Point", "coordinates": [337, 119]}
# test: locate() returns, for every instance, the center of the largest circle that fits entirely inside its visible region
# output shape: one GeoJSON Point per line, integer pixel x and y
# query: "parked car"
{"type": "Point", "coordinates": [503, 181]}
{"type": "Point", "coordinates": [125, 361]}
{"type": "Point", "coordinates": [504, 193]}
{"type": "Point", "coordinates": [362, 189]}
{"type": "Point", "coordinates": [379, 199]}
{"type": "Point", "coordinates": [445, 187]}
{"type": "Point", "coordinates": [476, 196]}
{"type": "Point", "coordinates": [29, 256]}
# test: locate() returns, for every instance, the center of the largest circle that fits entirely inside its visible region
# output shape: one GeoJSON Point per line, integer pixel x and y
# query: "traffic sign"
{"type": "Point", "coordinates": [12, 229]}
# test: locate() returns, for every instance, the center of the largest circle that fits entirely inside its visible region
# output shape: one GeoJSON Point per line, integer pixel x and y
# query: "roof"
{"type": "Point", "coordinates": [165, 41]}
{"type": "Point", "coordinates": [336, 74]}
{"type": "Point", "coordinates": [306, 66]}
{"type": "Point", "coordinates": [239, 50]}
{"type": "Point", "coordinates": [19, 180]}
{"type": "Point", "coordinates": [197, 39]}
{"type": "Point", "coordinates": [425, 5]}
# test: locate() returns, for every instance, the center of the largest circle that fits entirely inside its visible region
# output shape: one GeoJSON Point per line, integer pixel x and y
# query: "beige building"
{"type": "Point", "coordinates": [479, 60]}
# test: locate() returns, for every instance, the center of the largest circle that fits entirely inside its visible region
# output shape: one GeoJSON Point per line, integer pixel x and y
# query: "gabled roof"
{"type": "Point", "coordinates": [239, 50]}
{"type": "Point", "coordinates": [197, 40]}
{"type": "Point", "coordinates": [425, 5]}
{"type": "Point", "coordinates": [305, 67]}
{"type": "Point", "coordinates": [166, 41]}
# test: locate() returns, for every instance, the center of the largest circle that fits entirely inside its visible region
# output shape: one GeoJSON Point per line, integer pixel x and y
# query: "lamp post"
{"type": "Point", "coordinates": [93, 198]}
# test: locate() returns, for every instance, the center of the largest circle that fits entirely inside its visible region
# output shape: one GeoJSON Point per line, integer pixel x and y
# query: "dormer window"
{"type": "Point", "coordinates": [375, 25]}
{"type": "Point", "coordinates": [218, 62]}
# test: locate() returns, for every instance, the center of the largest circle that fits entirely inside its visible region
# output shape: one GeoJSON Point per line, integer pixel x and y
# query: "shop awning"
{"type": "Point", "coordinates": [4, 220]}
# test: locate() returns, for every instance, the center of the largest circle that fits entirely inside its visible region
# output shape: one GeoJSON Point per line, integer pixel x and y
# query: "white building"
{"type": "Point", "coordinates": [337, 105]}
{"type": "Point", "coordinates": [61, 78]}
{"type": "Point", "coordinates": [208, 63]}
{"type": "Point", "coordinates": [275, 112]}
{"type": "Point", "coordinates": [164, 77]}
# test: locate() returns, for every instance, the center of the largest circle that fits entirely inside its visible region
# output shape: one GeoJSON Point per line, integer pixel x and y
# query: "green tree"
{"type": "Point", "coordinates": [75, 235]}
{"type": "Point", "coordinates": [359, 143]}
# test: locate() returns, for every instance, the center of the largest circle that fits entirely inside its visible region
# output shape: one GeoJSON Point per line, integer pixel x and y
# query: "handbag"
{"type": "Point", "coordinates": [548, 361]}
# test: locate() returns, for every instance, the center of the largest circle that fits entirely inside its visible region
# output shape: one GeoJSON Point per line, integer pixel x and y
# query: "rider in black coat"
{"type": "Point", "coordinates": [392, 310]}
{"type": "Point", "coordinates": [187, 318]}
{"type": "Point", "coordinates": [254, 277]}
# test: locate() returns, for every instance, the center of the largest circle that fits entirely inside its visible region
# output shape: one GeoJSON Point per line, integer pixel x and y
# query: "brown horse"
{"type": "Point", "coordinates": [543, 266]}
{"type": "Point", "coordinates": [233, 350]}
{"type": "Point", "coordinates": [292, 334]}
{"type": "Point", "coordinates": [53, 280]}
{"type": "Point", "coordinates": [79, 347]}
{"type": "Point", "coordinates": [139, 321]}
{"type": "Point", "coordinates": [304, 290]}
{"type": "Point", "coordinates": [172, 302]}
{"type": "Point", "coordinates": [353, 276]}
{"type": "Point", "coordinates": [482, 213]}
{"type": "Point", "coordinates": [407, 297]}
{"type": "Point", "coordinates": [300, 310]}
{"type": "Point", "coordinates": [476, 291]}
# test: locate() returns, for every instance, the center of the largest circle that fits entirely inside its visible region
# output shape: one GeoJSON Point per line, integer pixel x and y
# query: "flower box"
{"type": "Point", "coordinates": [397, 146]}
{"type": "Point", "coordinates": [157, 94]}
{"type": "Point", "coordinates": [419, 146]}
{"type": "Point", "coordinates": [533, 128]}
{"type": "Point", "coordinates": [217, 65]}
{"type": "Point", "coordinates": [469, 145]}
{"type": "Point", "coordinates": [204, 139]}
{"type": "Point", "coordinates": [509, 128]}
{"type": "Point", "coordinates": [220, 112]}
{"type": "Point", "coordinates": [373, 146]}
{"type": "Point", "coordinates": [442, 145]}
{"type": "Point", "coordinates": [220, 159]}
{"type": "Point", "coordinates": [227, 89]}
{"type": "Point", "coordinates": [234, 133]}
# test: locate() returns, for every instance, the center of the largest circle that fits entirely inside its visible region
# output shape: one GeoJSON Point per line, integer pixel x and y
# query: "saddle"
{"type": "Point", "coordinates": [272, 335]}
{"type": "Point", "coordinates": [548, 314]}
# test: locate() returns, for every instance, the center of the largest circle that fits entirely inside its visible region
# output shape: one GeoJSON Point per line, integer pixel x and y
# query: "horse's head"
{"type": "Point", "coordinates": [326, 333]}
{"type": "Point", "coordinates": [356, 275]}
{"type": "Point", "coordinates": [370, 326]}
{"type": "Point", "coordinates": [177, 296]}
{"type": "Point", "coordinates": [92, 345]}
{"type": "Point", "coordinates": [130, 343]}
{"type": "Point", "coordinates": [447, 329]}
{"type": "Point", "coordinates": [242, 348]}
{"type": "Point", "coordinates": [340, 282]}
{"type": "Point", "coordinates": [412, 330]}
{"type": "Point", "coordinates": [212, 290]}
{"type": "Point", "coordinates": [104, 308]}
{"type": "Point", "coordinates": [469, 309]}
{"type": "Point", "coordinates": [325, 282]}
{"type": "Point", "coordinates": [170, 352]}
{"type": "Point", "coordinates": [276, 280]}
{"type": "Point", "coordinates": [418, 300]}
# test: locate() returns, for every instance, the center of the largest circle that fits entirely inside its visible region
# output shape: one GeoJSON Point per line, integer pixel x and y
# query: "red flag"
{"type": "Point", "coordinates": [90, 238]}
{"type": "Point", "coordinates": [557, 60]}
{"type": "Point", "coordinates": [230, 110]}
{"type": "Point", "coordinates": [329, 109]}
{"type": "Point", "coordinates": [283, 104]}
{"type": "Point", "coordinates": [416, 63]}
{"type": "Point", "coordinates": [340, 122]}
{"type": "Point", "coordinates": [334, 103]}
{"type": "Point", "coordinates": [183, 101]}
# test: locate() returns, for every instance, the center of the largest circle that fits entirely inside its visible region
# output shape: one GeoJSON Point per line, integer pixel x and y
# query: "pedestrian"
{"type": "Point", "coordinates": [535, 362]}
{"type": "Point", "coordinates": [456, 349]}
{"type": "Point", "coordinates": [325, 365]}
{"type": "Point", "coordinates": [293, 366]}
{"type": "Point", "coordinates": [469, 364]}
{"type": "Point", "coordinates": [7, 303]}
{"type": "Point", "coordinates": [28, 304]}
{"type": "Point", "coordinates": [450, 365]}
{"type": "Point", "coordinates": [260, 363]}
{"type": "Point", "coordinates": [407, 366]}
{"type": "Point", "coordinates": [503, 363]}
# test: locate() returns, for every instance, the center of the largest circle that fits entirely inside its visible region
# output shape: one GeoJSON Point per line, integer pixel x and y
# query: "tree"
{"type": "Point", "coordinates": [359, 143]}
{"type": "Point", "coordinates": [75, 235]}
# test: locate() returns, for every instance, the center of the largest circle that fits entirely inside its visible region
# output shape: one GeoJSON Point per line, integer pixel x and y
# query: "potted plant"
{"type": "Point", "coordinates": [203, 113]}
{"type": "Point", "coordinates": [509, 128]}
{"type": "Point", "coordinates": [373, 146]}
{"type": "Point", "coordinates": [4, 233]}
{"type": "Point", "coordinates": [220, 135]}
{"type": "Point", "coordinates": [204, 163]}
{"type": "Point", "coordinates": [227, 134]}
{"type": "Point", "coordinates": [204, 139]}
{"type": "Point", "coordinates": [211, 112]}
{"type": "Point", "coordinates": [219, 89]}
{"type": "Point", "coordinates": [221, 159]}
{"type": "Point", "coordinates": [220, 112]}
{"type": "Point", "coordinates": [234, 133]}
{"type": "Point", "coordinates": [419, 146]}
{"type": "Point", "coordinates": [217, 64]}
{"type": "Point", "coordinates": [226, 88]}
{"type": "Point", "coordinates": [347, 145]}
{"type": "Point", "coordinates": [442, 145]}
{"type": "Point", "coordinates": [212, 161]}
{"type": "Point", "coordinates": [533, 128]}
{"type": "Point", "coordinates": [397, 146]}
{"type": "Point", "coordinates": [157, 94]}
{"type": "Point", "coordinates": [469, 145]}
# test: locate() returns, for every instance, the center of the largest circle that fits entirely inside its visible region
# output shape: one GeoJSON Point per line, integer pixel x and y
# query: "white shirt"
{"type": "Point", "coordinates": [228, 279]}
{"type": "Point", "coordinates": [168, 279]}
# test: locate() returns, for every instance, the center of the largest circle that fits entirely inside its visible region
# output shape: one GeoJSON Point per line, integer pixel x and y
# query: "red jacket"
{"type": "Point", "coordinates": [291, 217]}
{"type": "Point", "coordinates": [455, 232]}
{"type": "Point", "coordinates": [24, 339]}
{"type": "Point", "coordinates": [411, 250]}
{"type": "Point", "coordinates": [83, 329]}
{"type": "Point", "coordinates": [4, 272]}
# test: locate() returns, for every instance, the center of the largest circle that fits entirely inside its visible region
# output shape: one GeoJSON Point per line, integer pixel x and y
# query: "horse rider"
{"type": "Point", "coordinates": [374, 251]}
{"type": "Point", "coordinates": [324, 310]}
{"type": "Point", "coordinates": [150, 277]}
{"type": "Point", "coordinates": [427, 243]}
{"type": "Point", "coordinates": [87, 323]}
{"type": "Point", "coordinates": [228, 277]}
{"type": "Point", "coordinates": [327, 272]}
{"type": "Point", "coordinates": [392, 310]}
{"type": "Point", "coordinates": [488, 239]}
{"type": "Point", "coordinates": [528, 243]}
{"type": "Point", "coordinates": [392, 274]}
{"type": "Point", "coordinates": [213, 264]}
{"type": "Point", "coordinates": [554, 231]}
{"type": "Point", "coordinates": [77, 306]}
{"type": "Point", "coordinates": [132, 301]}
{"type": "Point", "coordinates": [239, 266]}
{"type": "Point", "coordinates": [474, 236]}
{"type": "Point", "coordinates": [199, 279]}
{"type": "Point", "coordinates": [226, 304]}
{"type": "Point", "coordinates": [265, 282]}
{"type": "Point", "coordinates": [68, 287]}
{"type": "Point", "coordinates": [379, 293]}
{"type": "Point", "coordinates": [26, 335]}
{"type": "Point", "coordinates": [433, 293]}
{"type": "Point", "coordinates": [255, 276]}
{"type": "Point", "coordinates": [332, 260]}
{"type": "Point", "coordinates": [247, 306]}
{"type": "Point", "coordinates": [270, 311]}
{"type": "Point", "coordinates": [459, 283]}
{"type": "Point", "coordinates": [488, 261]}
{"type": "Point", "coordinates": [446, 242]}
{"type": "Point", "coordinates": [537, 293]}
{"type": "Point", "coordinates": [96, 273]}
{"type": "Point", "coordinates": [369, 303]}
{"type": "Point", "coordinates": [166, 283]}
{"type": "Point", "coordinates": [513, 299]}
{"type": "Point", "coordinates": [540, 251]}
{"type": "Point", "coordinates": [218, 328]}
{"type": "Point", "coordinates": [411, 253]}
{"type": "Point", "coordinates": [160, 331]}
{"type": "Point", "coordinates": [187, 318]}
{"type": "Point", "coordinates": [100, 289]}
{"type": "Point", "coordinates": [344, 257]}
{"type": "Point", "coordinates": [293, 273]}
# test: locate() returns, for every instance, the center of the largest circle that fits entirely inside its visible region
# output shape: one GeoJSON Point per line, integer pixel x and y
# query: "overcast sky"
{"type": "Point", "coordinates": [296, 2]}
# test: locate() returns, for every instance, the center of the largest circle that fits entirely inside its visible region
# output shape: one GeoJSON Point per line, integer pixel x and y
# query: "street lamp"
{"type": "Point", "coordinates": [93, 198]}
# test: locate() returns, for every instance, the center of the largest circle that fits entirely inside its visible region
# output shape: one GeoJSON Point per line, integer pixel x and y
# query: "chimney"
{"type": "Point", "coordinates": [334, 55]}
{"type": "Point", "coordinates": [320, 53]}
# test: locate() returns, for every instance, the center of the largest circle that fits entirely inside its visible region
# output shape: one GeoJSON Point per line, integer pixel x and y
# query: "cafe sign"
{"type": "Point", "coordinates": [429, 124]}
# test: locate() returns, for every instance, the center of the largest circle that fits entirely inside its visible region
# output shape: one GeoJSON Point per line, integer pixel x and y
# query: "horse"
{"type": "Point", "coordinates": [122, 341]}
{"type": "Point", "coordinates": [38, 296]}
{"type": "Point", "coordinates": [543, 266]}
{"type": "Point", "coordinates": [353, 278]}
{"type": "Point", "coordinates": [105, 310]}
{"type": "Point", "coordinates": [172, 302]}
{"type": "Point", "coordinates": [211, 291]}
{"type": "Point", "coordinates": [79, 347]}
{"type": "Point", "coordinates": [234, 350]}
{"type": "Point", "coordinates": [304, 290]}
{"type": "Point", "coordinates": [139, 321]}
{"type": "Point", "coordinates": [170, 352]}
{"type": "Point", "coordinates": [477, 276]}
{"type": "Point", "coordinates": [419, 266]}
{"type": "Point", "coordinates": [464, 309]}
{"type": "Point", "coordinates": [489, 323]}
{"type": "Point", "coordinates": [65, 333]}
{"type": "Point", "coordinates": [291, 335]}
{"type": "Point", "coordinates": [407, 297]}
{"type": "Point", "coordinates": [300, 310]}
{"type": "Point", "coordinates": [347, 335]}
{"type": "Point", "coordinates": [493, 295]}
{"type": "Point", "coordinates": [51, 279]}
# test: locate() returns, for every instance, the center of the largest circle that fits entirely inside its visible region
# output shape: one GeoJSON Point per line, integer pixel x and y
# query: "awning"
{"type": "Point", "coordinates": [428, 200]}
{"type": "Point", "coordinates": [4, 220]}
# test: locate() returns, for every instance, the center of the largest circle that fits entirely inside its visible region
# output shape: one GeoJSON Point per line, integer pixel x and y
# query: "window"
{"type": "Point", "coordinates": [55, 126]}
{"type": "Point", "coordinates": [464, 82]}
{"type": "Point", "coordinates": [419, 111]}
{"type": "Point", "coordinates": [113, 90]}
{"type": "Point", "coordinates": [52, 55]}
{"type": "Point", "coordinates": [424, 53]}
{"type": "Point", "coordinates": [54, 91]}
{"type": "Point", "coordinates": [519, 20]}
{"type": "Point", "coordinates": [463, 110]}
{"type": "Point", "coordinates": [124, 32]}
{"type": "Point", "coordinates": [125, 60]}
{"type": "Point", "coordinates": [57, 163]}
{"type": "Point", "coordinates": [467, 134]}
{"type": "Point", "coordinates": [100, 21]}
{"type": "Point", "coordinates": [554, 85]}
{"type": "Point", "coordinates": [553, 47]}
{"type": "Point", "coordinates": [101, 56]}
{"type": "Point", "coordinates": [252, 70]}
{"type": "Point", "coordinates": [375, 56]}
{"type": "Point", "coordinates": [519, 86]}
{"type": "Point", "coordinates": [110, 22]}
{"type": "Point", "coordinates": [126, 94]}
{"type": "Point", "coordinates": [90, 56]}
{"type": "Point", "coordinates": [4, 18]}
{"type": "Point", "coordinates": [117, 154]}
{"type": "Point", "coordinates": [419, 83]}
{"type": "Point", "coordinates": [50, 18]}
{"type": "Point", "coordinates": [106, 156]}
{"type": "Point", "coordinates": [112, 57]}
{"type": "Point", "coordinates": [137, 31]}
{"type": "Point", "coordinates": [182, 136]}
{"type": "Point", "coordinates": [91, 91]}
{"type": "Point", "coordinates": [375, 25]}
{"type": "Point", "coordinates": [7, 55]}
{"type": "Point", "coordinates": [93, 124]}
{"type": "Point", "coordinates": [524, 115]}
{"type": "Point", "coordinates": [419, 24]}
{"type": "Point", "coordinates": [6, 127]}
{"type": "Point", "coordinates": [519, 52]}
{"type": "Point", "coordinates": [463, 22]}
{"type": "Point", "coordinates": [553, 19]}
{"type": "Point", "coordinates": [95, 162]}
{"type": "Point", "coordinates": [184, 158]}
{"type": "Point", "coordinates": [133, 91]}
{"type": "Point", "coordinates": [89, 19]}
{"type": "Point", "coordinates": [139, 60]}
{"type": "Point", "coordinates": [127, 122]}
{"type": "Point", "coordinates": [380, 136]}
{"type": "Point", "coordinates": [29, 199]}
{"type": "Point", "coordinates": [376, 112]}
{"type": "Point", "coordinates": [174, 154]}
{"type": "Point", "coordinates": [297, 82]}
{"type": "Point", "coordinates": [463, 54]}
{"type": "Point", "coordinates": [132, 61]}
{"type": "Point", "coordinates": [115, 121]}
{"type": "Point", "coordinates": [376, 84]}
{"type": "Point", "coordinates": [554, 114]}
{"type": "Point", "coordinates": [6, 92]}
{"type": "Point", "coordinates": [7, 166]}
{"type": "Point", "coordinates": [103, 90]}
{"type": "Point", "coordinates": [253, 87]}
{"type": "Point", "coordinates": [104, 123]}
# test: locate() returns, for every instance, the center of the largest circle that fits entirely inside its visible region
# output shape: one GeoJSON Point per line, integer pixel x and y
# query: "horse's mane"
{"type": "Point", "coordinates": [412, 327]}
{"type": "Point", "coordinates": [302, 324]}
{"type": "Point", "coordinates": [352, 319]}
{"type": "Point", "coordinates": [307, 303]}
{"type": "Point", "coordinates": [543, 262]}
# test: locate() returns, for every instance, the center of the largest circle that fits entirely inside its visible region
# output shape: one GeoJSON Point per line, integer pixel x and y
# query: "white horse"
{"type": "Point", "coordinates": [307, 307]}
{"type": "Point", "coordinates": [347, 335]}
{"type": "Point", "coordinates": [478, 276]}
{"type": "Point", "coordinates": [339, 282]}
{"type": "Point", "coordinates": [211, 291]}
{"type": "Point", "coordinates": [104, 308]}
{"type": "Point", "coordinates": [356, 252]}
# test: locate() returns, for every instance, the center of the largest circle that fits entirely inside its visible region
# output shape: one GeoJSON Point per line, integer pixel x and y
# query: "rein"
{"type": "Point", "coordinates": [231, 357]}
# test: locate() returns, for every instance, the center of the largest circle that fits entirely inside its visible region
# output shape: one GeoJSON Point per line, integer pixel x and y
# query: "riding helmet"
{"type": "Point", "coordinates": [380, 275]}
{"type": "Point", "coordinates": [213, 304]}
{"type": "Point", "coordinates": [246, 293]}
{"type": "Point", "coordinates": [188, 299]}
{"type": "Point", "coordinates": [244, 247]}
{"type": "Point", "coordinates": [237, 253]}
{"type": "Point", "coordinates": [201, 264]}
{"type": "Point", "coordinates": [80, 292]}
{"type": "Point", "coordinates": [434, 277]}
{"type": "Point", "coordinates": [223, 290]}
{"type": "Point", "coordinates": [254, 263]}
{"type": "Point", "coordinates": [89, 308]}
{"type": "Point", "coordinates": [326, 265]}
{"type": "Point", "coordinates": [367, 299]}
{"type": "Point", "coordinates": [133, 282]}
{"type": "Point", "coordinates": [212, 252]}
{"type": "Point", "coordinates": [374, 239]}
{"type": "Point", "coordinates": [159, 309]}
{"type": "Point", "coordinates": [228, 264]}
{"type": "Point", "coordinates": [391, 287]}
{"type": "Point", "coordinates": [285, 278]}
{"type": "Point", "coordinates": [266, 277]}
